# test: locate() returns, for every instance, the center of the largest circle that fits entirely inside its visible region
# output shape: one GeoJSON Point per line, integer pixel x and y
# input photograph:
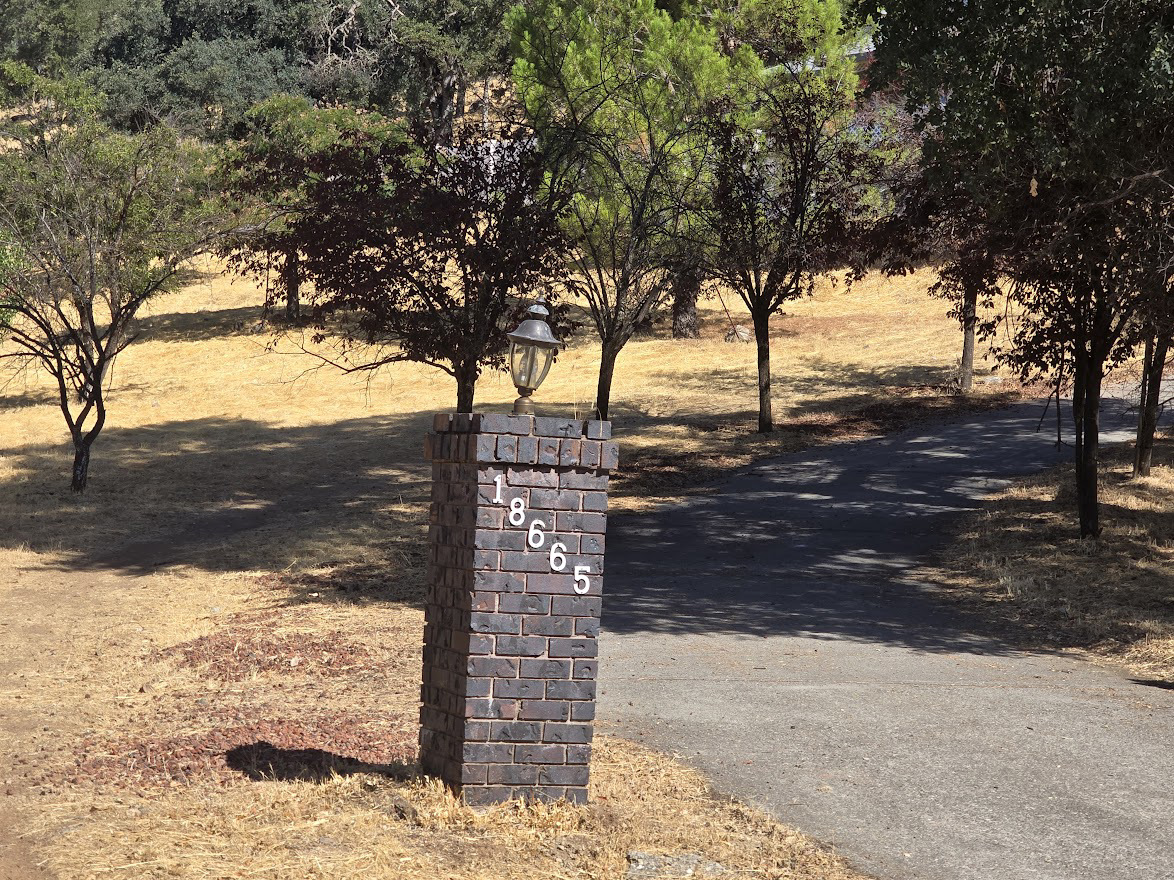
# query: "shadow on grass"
{"type": "Point", "coordinates": [262, 761]}
{"type": "Point", "coordinates": [201, 326]}
{"type": "Point", "coordinates": [225, 494]}
{"type": "Point", "coordinates": [826, 376]}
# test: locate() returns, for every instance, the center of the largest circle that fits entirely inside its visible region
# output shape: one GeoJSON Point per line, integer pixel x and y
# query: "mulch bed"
{"type": "Point", "coordinates": [240, 653]}
{"type": "Point", "coordinates": [307, 749]}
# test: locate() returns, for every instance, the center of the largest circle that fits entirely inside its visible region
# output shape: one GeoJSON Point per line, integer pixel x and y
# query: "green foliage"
{"type": "Point", "coordinates": [54, 36]}
{"type": "Point", "coordinates": [93, 223]}
{"type": "Point", "coordinates": [613, 90]}
{"type": "Point", "coordinates": [201, 65]}
{"type": "Point", "coordinates": [1047, 130]}
{"type": "Point", "coordinates": [198, 65]}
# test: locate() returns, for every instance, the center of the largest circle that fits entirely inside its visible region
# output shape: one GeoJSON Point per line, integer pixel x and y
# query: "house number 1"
{"type": "Point", "coordinates": [536, 539]}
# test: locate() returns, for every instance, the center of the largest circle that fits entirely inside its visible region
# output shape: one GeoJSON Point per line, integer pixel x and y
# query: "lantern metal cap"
{"type": "Point", "coordinates": [534, 330]}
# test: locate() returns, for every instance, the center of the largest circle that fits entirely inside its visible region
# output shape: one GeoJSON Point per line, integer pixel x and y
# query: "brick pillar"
{"type": "Point", "coordinates": [511, 618]}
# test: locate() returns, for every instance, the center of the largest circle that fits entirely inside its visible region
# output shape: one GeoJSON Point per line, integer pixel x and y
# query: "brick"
{"type": "Point", "coordinates": [563, 584]}
{"type": "Point", "coordinates": [581, 480]}
{"type": "Point", "coordinates": [552, 427]}
{"type": "Point", "coordinates": [498, 581]}
{"type": "Point", "coordinates": [527, 450]}
{"type": "Point", "coordinates": [569, 452]}
{"type": "Point", "coordinates": [488, 753]}
{"type": "Point", "coordinates": [487, 559]}
{"type": "Point", "coordinates": [545, 668]}
{"type": "Point", "coordinates": [575, 774]}
{"type": "Point", "coordinates": [492, 667]}
{"type": "Point", "coordinates": [570, 690]}
{"type": "Point", "coordinates": [540, 754]}
{"type": "Point", "coordinates": [441, 422]}
{"type": "Point", "coordinates": [487, 708]}
{"type": "Point", "coordinates": [544, 710]}
{"type": "Point", "coordinates": [524, 603]}
{"type": "Point", "coordinates": [478, 645]}
{"type": "Point", "coordinates": [476, 731]}
{"type": "Point", "coordinates": [581, 522]}
{"type": "Point", "coordinates": [477, 687]}
{"type": "Point", "coordinates": [490, 517]}
{"type": "Point", "coordinates": [473, 773]}
{"type": "Point", "coordinates": [548, 626]}
{"type": "Point", "coordinates": [507, 448]}
{"type": "Point", "coordinates": [430, 446]}
{"type": "Point", "coordinates": [461, 423]}
{"type": "Point", "coordinates": [609, 457]}
{"type": "Point", "coordinates": [526, 646]}
{"type": "Point", "coordinates": [512, 774]}
{"type": "Point", "coordinates": [555, 499]}
{"type": "Point", "coordinates": [515, 731]}
{"type": "Point", "coordinates": [585, 670]}
{"type": "Point", "coordinates": [505, 539]}
{"type": "Point", "coordinates": [525, 561]}
{"type": "Point", "coordinates": [483, 602]}
{"type": "Point", "coordinates": [486, 795]}
{"type": "Point", "coordinates": [548, 451]}
{"type": "Point", "coordinates": [598, 430]}
{"type": "Point", "coordinates": [486, 450]}
{"type": "Point", "coordinates": [578, 754]}
{"type": "Point", "coordinates": [557, 732]}
{"type": "Point", "coordinates": [571, 647]}
{"type": "Point", "coordinates": [495, 423]}
{"type": "Point", "coordinates": [583, 711]}
{"type": "Point", "coordinates": [576, 795]}
{"type": "Point", "coordinates": [584, 626]}
{"type": "Point", "coordinates": [521, 688]}
{"type": "Point", "coordinates": [592, 545]}
{"type": "Point", "coordinates": [540, 479]}
{"type": "Point", "coordinates": [505, 624]}
{"type": "Point", "coordinates": [521, 424]}
{"type": "Point", "coordinates": [589, 453]}
{"type": "Point", "coordinates": [595, 501]}
{"type": "Point", "coordinates": [577, 606]}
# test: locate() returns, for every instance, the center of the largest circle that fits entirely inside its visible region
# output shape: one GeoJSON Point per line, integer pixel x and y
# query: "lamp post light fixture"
{"type": "Point", "coordinates": [532, 348]}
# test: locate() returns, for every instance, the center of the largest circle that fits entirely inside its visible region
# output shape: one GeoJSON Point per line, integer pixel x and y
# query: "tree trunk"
{"type": "Point", "coordinates": [607, 369]}
{"type": "Point", "coordinates": [81, 464]}
{"type": "Point", "coordinates": [1088, 422]}
{"type": "Point", "coordinates": [686, 290]}
{"type": "Point", "coordinates": [762, 338]}
{"type": "Point", "coordinates": [1156, 350]}
{"type": "Point", "coordinates": [969, 321]}
{"type": "Point", "coordinates": [466, 386]}
{"type": "Point", "coordinates": [292, 276]}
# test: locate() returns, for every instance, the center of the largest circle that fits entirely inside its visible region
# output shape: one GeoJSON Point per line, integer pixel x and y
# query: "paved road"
{"type": "Point", "coordinates": [772, 635]}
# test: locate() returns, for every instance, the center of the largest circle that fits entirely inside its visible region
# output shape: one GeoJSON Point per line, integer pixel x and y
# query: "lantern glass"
{"type": "Point", "coordinates": [529, 364]}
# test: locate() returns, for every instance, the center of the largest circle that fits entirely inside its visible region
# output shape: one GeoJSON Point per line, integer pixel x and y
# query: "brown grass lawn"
{"type": "Point", "coordinates": [1113, 596]}
{"type": "Point", "coordinates": [209, 662]}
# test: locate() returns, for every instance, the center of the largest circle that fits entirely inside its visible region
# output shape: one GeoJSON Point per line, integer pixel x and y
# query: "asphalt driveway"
{"type": "Point", "coordinates": [773, 635]}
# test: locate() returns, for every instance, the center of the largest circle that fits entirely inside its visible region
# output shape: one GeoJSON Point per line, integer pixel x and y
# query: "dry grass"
{"type": "Point", "coordinates": [1113, 596]}
{"type": "Point", "coordinates": [250, 550]}
{"type": "Point", "coordinates": [139, 766]}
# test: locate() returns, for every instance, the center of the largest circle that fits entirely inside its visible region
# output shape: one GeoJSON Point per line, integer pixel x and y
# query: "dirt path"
{"type": "Point", "coordinates": [772, 633]}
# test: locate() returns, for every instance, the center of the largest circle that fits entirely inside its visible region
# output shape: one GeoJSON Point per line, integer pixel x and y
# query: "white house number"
{"type": "Point", "coordinates": [536, 539]}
